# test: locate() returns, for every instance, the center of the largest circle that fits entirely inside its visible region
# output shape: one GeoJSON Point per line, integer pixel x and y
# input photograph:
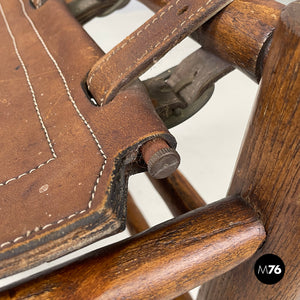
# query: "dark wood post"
{"type": "Point", "coordinates": [267, 174]}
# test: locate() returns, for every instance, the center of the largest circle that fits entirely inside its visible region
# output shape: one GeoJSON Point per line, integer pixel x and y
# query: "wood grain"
{"type": "Point", "coordinates": [136, 223]}
{"type": "Point", "coordinates": [160, 263]}
{"type": "Point", "coordinates": [267, 173]}
{"type": "Point", "coordinates": [240, 33]}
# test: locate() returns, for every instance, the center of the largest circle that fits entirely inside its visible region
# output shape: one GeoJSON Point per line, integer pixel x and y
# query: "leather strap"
{"type": "Point", "coordinates": [147, 44]}
{"type": "Point", "coordinates": [180, 92]}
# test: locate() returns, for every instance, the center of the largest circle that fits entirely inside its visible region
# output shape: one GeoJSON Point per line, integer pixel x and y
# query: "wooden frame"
{"type": "Point", "coordinates": [264, 196]}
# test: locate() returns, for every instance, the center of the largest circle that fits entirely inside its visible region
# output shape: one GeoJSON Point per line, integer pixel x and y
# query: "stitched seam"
{"type": "Point", "coordinates": [37, 229]}
{"type": "Point", "coordinates": [72, 101]}
{"type": "Point", "coordinates": [152, 48]}
{"type": "Point", "coordinates": [146, 26]}
{"type": "Point", "coordinates": [34, 102]}
{"type": "Point", "coordinates": [109, 55]}
{"type": "Point", "coordinates": [26, 173]}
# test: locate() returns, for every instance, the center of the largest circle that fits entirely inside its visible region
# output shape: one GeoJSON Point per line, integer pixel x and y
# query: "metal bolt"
{"type": "Point", "coordinates": [160, 158]}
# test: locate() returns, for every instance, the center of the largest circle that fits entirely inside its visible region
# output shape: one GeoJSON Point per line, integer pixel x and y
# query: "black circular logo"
{"type": "Point", "coordinates": [269, 269]}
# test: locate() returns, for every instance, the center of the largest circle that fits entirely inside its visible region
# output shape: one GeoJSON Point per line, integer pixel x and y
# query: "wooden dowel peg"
{"type": "Point", "coordinates": [161, 159]}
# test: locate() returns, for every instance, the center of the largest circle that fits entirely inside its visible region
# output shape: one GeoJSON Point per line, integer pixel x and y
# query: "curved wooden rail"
{"type": "Point", "coordinates": [162, 262]}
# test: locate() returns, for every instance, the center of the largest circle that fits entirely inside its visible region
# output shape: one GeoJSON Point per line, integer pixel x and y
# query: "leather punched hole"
{"type": "Point", "coordinates": [37, 3]}
{"type": "Point", "coordinates": [88, 93]}
{"type": "Point", "coordinates": [182, 10]}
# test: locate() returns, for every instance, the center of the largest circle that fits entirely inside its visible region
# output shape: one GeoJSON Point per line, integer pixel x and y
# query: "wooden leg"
{"type": "Point", "coordinates": [136, 222]}
{"type": "Point", "coordinates": [178, 193]}
{"type": "Point", "coordinates": [267, 173]}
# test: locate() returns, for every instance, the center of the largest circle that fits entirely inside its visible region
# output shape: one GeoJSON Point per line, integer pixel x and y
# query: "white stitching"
{"type": "Point", "coordinates": [34, 102]}
{"type": "Point", "coordinates": [157, 44]}
{"type": "Point", "coordinates": [131, 38]}
{"type": "Point", "coordinates": [26, 173]}
{"type": "Point", "coordinates": [166, 37]}
{"type": "Point", "coordinates": [47, 226]}
{"type": "Point", "coordinates": [18, 238]}
{"type": "Point", "coordinates": [72, 216]}
{"type": "Point", "coordinates": [29, 84]}
{"type": "Point", "coordinates": [109, 55]}
{"type": "Point", "coordinates": [5, 244]}
{"type": "Point", "coordinates": [37, 229]}
{"type": "Point", "coordinates": [70, 96]}
{"type": "Point", "coordinates": [173, 31]}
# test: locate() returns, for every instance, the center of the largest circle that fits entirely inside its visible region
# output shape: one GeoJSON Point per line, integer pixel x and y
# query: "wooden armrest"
{"type": "Point", "coordinates": [166, 260]}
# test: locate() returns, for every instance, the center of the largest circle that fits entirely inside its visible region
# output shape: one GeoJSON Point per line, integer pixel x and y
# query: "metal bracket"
{"type": "Point", "coordinates": [180, 92]}
{"type": "Point", "coordinates": [85, 10]}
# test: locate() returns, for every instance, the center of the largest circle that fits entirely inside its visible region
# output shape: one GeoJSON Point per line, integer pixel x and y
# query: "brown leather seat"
{"type": "Point", "coordinates": [65, 161]}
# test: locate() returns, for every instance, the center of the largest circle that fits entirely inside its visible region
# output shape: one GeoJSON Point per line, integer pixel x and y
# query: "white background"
{"type": "Point", "coordinates": [208, 143]}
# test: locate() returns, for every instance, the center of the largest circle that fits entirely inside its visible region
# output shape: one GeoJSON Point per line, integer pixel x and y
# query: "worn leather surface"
{"type": "Point", "coordinates": [176, 20]}
{"type": "Point", "coordinates": [64, 161]}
